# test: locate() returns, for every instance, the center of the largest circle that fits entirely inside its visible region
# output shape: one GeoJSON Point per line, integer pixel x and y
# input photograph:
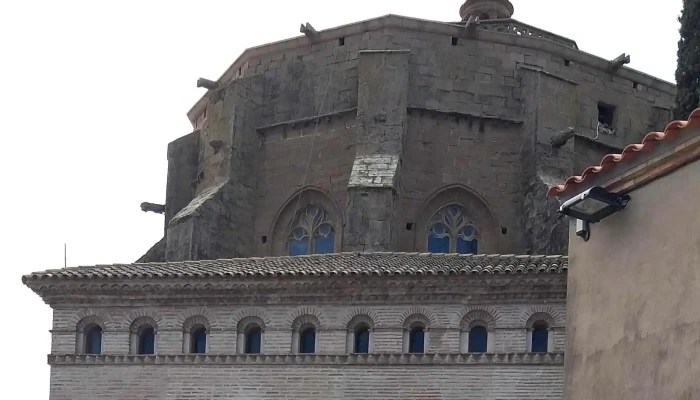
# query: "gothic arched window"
{"type": "Point", "coordinates": [451, 231]}
{"type": "Point", "coordinates": [312, 232]}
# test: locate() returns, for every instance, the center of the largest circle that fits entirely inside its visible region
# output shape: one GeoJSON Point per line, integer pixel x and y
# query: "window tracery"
{"type": "Point", "coordinates": [451, 231]}
{"type": "Point", "coordinates": [312, 232]}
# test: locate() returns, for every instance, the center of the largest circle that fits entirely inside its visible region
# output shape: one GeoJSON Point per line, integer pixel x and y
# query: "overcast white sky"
{"type": "Point", "coordinates": [91, 92]}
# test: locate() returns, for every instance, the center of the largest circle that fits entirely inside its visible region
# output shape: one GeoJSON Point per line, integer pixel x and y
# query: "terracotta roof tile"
{"type": "Point", "coordinates": [610, 160]}
{"type": "Point", "coordinates": [339, 264]}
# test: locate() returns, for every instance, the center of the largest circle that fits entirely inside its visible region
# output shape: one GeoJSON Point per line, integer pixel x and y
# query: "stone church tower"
{"type": "Point", "coordinates": [344, 219]}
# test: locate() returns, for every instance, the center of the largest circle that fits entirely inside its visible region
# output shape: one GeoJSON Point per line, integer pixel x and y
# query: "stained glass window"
{"type": "Point", "coordinates": [312, 232]}
{"type": "Point", "coordinates": [450, 231]}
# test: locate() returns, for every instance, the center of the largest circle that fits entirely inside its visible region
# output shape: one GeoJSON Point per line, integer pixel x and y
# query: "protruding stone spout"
{"type": "Point", "coordinates": [150, 207]}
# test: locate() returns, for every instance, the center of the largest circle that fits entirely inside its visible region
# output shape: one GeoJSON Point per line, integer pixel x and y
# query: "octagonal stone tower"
{"type": "Point", "coordinates": [366, 133]}
{"type": "Point", "coordinates": [486, 9]}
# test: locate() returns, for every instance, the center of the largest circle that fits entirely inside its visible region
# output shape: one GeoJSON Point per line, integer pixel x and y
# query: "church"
{"type": "Point", "coordinates": [360, 213]}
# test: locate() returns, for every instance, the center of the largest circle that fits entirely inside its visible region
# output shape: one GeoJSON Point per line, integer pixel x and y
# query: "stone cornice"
{"type": "Point", "coordinates": [329, 290]}
{"type": "Point", "coordinates": [311, 359]}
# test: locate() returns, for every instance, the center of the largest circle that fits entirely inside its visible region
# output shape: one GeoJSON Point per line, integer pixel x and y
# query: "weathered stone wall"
{"type": "Point", "coordinates": [183, 165]}
{"type": "Point", "coordinates": [287, 151]}
{"type": "Point", "coordinates": [481, 155]}
{"type": "Point", "coordinates": [359, 382]}
{"type": "Point", "coordinates": [381, 129]}
{"type": "Point", "coordinates": [482, 110]}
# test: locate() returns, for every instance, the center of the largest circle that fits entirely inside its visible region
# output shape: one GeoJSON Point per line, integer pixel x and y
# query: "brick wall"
{"type": "Point", "coordinates": [389, 375]}
{"type": "Point", "coordinates": [510, 326]}
{"type": "Point", "coordinates": [306, 382]}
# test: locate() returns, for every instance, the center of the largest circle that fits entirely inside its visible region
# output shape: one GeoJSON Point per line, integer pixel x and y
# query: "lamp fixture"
{"type": "Point", "coordinates": [591, 206]}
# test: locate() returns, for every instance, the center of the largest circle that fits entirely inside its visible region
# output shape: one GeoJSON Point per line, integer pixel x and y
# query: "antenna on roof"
{"type": "Point", "coordinates": [65, 256]}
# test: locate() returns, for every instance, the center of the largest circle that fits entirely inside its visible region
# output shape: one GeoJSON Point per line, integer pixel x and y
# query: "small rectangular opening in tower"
{"type": "Point", "coordinates": [455, 40]}
{"type": "Point", "coordinates": [606, 114]}
{"type": "Point", "coordinates": [263, 239]}
{"type": "Point", "coordinates": [341, 41]}
{"type": "Point", "coordinates": [409, 226]}
{"type": "Point", "coordinates": [635, 85]}
{"type": "Point", "coordinates": [567, 63]}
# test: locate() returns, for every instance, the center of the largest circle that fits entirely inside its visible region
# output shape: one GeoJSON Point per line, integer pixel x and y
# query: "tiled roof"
{"type": "Point", "coordinates": [610, 160]}
{"type": "Point", "coordinates": [339, 264]}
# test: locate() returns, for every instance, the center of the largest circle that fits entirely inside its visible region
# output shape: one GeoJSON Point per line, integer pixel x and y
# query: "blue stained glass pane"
{"type": "Point", "coordinates": [439, 229]}
{"type": "Point", "coordinates": [323, 245]}
{"type": "Point", "coordinates": [298, 248]}
{"type": "Point", "coordinates": [93, 344]}
{"type": "Point", "coordinates": [307, 341]}
{"type": "Point", "coordinates": [468, 231]}
{"type": "Point", "coordinates": [147, 341]}
{"type": "Point", "coordinates": [478, 338]}
{"type": "Point", "coordinates": [438, 245]}
{"type": "Point", "coordinates": [324, 229]}
{"type": "Point", "coordinates": [416, 342]}
{"type": "Point", "coordinates": [466, 246]}
{"type": "Point", "coordinates": [199, 341]}
{"type": "Point", "coordinates": [539, 340]}
{"type": "Point", "coordinates": [299, 233]}
{"type": "Point", "coordinates": [252, 341]}
{"type": "Point", "coordinates": [362, 341]}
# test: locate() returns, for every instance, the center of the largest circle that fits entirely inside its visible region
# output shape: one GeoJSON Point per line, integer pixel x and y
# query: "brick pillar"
{"type": "Point", "coordinates": [381, 115]}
